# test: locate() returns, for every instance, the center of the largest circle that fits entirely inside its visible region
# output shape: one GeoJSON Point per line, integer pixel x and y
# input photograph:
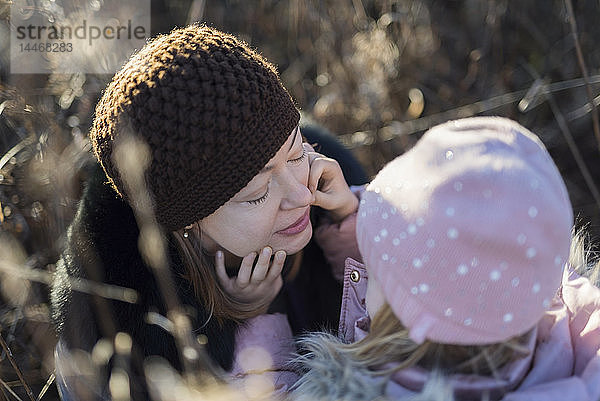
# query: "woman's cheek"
{"type": "Point", "coordinates": [255, 234]}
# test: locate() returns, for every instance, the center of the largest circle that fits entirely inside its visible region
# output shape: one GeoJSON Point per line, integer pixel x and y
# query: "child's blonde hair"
{"type": "Point", "coordinates": [388, 341]}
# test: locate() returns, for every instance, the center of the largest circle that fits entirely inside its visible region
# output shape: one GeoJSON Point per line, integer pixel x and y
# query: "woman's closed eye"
{"type": "Point", "coordinates": [300, 159]}
{"type": "Point", "coordinates": [261, 199]}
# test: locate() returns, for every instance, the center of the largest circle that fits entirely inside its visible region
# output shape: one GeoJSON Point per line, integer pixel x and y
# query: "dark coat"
{"type": "Point", "coordinates": [102, 246]}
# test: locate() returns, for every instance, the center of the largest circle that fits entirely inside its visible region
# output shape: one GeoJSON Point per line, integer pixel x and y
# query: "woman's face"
{"type": "Point", "coordinates": [272, 210]}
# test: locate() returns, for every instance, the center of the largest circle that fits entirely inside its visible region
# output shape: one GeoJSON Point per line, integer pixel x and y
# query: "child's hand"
{"type": "Point", "coordinates": [327, 184]}
{"type": "Point", "coordinates": [258, 286]}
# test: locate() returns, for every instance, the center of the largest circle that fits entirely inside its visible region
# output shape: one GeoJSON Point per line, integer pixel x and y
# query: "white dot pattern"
{"type": "Point", "coordinates": [534, 184]}
{"type": "Point", "coordinates": [532, 212]}
{"type": "Point", "coordinates": [436, 230]}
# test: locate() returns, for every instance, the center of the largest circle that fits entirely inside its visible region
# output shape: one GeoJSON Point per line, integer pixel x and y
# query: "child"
{"type": "Point", "coordinates": [466, 291]}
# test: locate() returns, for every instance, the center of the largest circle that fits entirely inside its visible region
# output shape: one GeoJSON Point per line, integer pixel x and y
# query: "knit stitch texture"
{"type": "Point", "coordinates": [212, 111]}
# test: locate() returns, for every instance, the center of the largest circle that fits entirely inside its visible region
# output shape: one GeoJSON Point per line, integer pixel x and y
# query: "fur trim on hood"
{"type": "Point", "coordinates": [331, 375]}
{"type": "Point", "coordinates": [328, 374]}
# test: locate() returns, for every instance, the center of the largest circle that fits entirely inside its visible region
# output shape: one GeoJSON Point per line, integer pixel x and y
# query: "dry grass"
{"type": "Point", "coordinates": [377, 73]}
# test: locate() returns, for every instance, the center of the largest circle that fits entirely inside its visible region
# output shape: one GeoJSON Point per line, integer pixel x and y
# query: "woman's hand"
{"type": "Point", "coordinates": [256, 286]}
{"type": "Point", "coordinates": [327, 184]}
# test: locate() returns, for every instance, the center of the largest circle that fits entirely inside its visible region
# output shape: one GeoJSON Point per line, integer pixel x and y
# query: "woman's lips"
{"type": "Point", "coordinates": [299, 226]}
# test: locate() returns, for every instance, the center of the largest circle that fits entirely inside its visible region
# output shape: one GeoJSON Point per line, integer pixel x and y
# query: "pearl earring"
{"type": "Point", "coordinates": [185, 231]}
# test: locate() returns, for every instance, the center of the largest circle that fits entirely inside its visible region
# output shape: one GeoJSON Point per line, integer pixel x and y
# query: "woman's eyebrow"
{"type": "Point", "coordinates": [269, 168]}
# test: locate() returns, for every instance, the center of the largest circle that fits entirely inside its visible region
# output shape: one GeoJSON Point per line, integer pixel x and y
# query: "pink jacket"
{"type": "Point", "coordinates": [263, 347]}
{"type": "Point", "coordinates": [565, 362]}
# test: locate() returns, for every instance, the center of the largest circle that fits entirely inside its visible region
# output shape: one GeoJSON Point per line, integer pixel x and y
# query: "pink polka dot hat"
{"type": "Point", "coordinates": [468, 232]}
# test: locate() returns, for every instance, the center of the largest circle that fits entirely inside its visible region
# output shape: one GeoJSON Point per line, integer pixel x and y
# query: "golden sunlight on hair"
{"type": "Point", "coordinates": [388, 341]}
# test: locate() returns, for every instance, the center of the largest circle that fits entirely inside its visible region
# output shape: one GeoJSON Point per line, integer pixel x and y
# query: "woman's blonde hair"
{"type": "Point", "coordinates": [388, 341]}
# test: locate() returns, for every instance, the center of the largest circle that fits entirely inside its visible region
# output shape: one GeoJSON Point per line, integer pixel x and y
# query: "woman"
{"type": "Point", "coordinates": [214, 138]}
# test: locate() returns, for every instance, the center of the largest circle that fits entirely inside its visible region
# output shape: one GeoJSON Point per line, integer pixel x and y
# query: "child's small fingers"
{"type": "Point", "coordinates": [220, 268]}
{"type": "Point", "coordinates": [262, 265]}
{"type": "Point", "coordinates": [323, 199]}
{"type": "Point", "coordinates": [313, 156]}
{"type": "Point", "coordinates": [308, 147]}
{"type": "Point", "coordinates": [314, 175]}
{"type": "Point", "coordinates": [243, 277]}
{"type": "Point", "coordinates": [277, 265]}
{"type": "Point", "coordinates": [277, 284]}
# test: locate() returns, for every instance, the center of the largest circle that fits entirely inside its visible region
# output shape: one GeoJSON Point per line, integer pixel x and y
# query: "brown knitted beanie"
{"type": "Point", "coordinates": [212, 111]}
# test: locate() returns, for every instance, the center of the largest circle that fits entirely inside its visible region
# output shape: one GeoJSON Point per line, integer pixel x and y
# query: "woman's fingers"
{"type": "Point", "coordinates": [262, 265]}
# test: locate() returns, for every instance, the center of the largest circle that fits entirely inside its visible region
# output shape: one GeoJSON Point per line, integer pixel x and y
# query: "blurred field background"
{"type": "Point", "coordinates": [377, 73]}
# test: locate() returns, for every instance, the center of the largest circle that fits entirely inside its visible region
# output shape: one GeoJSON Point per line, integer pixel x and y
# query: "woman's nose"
{"type": "Point", "coordinates": [297, 195]}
